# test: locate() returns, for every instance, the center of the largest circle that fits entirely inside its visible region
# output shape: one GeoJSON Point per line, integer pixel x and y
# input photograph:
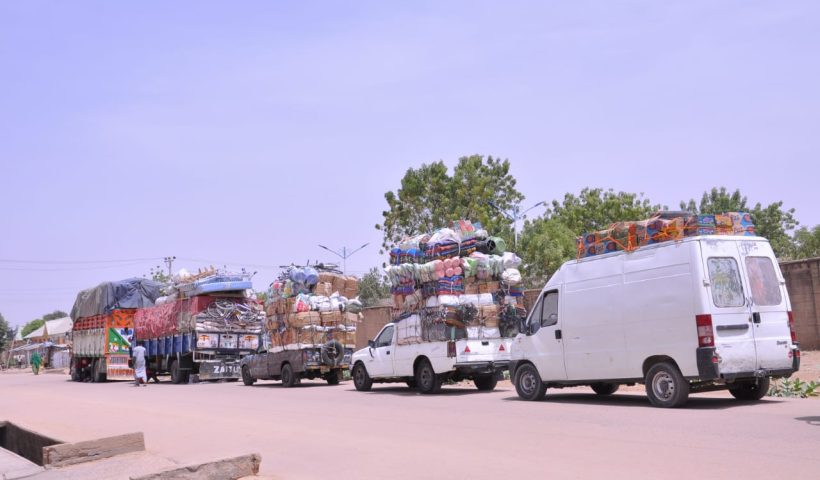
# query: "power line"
{"type": "Point", "coordinates": [67, 268]}
{"type": "Point", "coordinates": [77, 262]}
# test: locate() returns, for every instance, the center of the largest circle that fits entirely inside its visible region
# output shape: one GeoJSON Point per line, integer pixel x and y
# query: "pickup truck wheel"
{"type": "Point", "coordinates": [605, 388]}
{"type": "Point", "coordinates": [426, 379]}
{"type": "Point", "coordinates": [332, 378]}
{"type": "Point", "coordinates": [751, 390]}
{"type": "Point", "coordinates": [665, 386]}
{"type": "Point", "coordinates": [485, 383]}
{"type": "Point", "coordinates": [246, 376]}
{"type": "Point", "coordinates": [361, 380]}
{"type": "Point", "coordinates": [528, 383]}
{"type": "Point", "coordinates": [288, 378]}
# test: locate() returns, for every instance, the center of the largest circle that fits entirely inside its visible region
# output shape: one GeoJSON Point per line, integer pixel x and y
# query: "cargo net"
{"type": "Point", "coordinates": [662, 227]}
{"type": "Point", "coordinates": [441, 324]}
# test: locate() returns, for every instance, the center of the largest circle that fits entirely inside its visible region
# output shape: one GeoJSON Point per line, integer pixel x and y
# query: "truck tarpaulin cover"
{"type": "Point", "coordinates": [108, 296]}
{"type": "Point", "coordinates": [170, 318]}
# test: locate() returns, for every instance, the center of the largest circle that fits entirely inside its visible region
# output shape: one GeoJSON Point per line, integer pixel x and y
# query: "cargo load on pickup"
{"type": "Point", "coordinates": [455, 283]}
{"type": "Point", "coordinates": [310, 306]}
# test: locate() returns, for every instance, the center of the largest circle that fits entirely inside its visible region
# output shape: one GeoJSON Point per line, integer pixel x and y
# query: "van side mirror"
{"type": "Point", "coordinates": [371, 343]}
{"type": "Point", "coordinates": [522, 325]}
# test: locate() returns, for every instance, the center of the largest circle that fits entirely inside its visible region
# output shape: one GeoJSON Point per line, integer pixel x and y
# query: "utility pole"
{"type": "Point", "coordinates": [169, 261]}
{"type": "Point", "coordinates": [344, 255]}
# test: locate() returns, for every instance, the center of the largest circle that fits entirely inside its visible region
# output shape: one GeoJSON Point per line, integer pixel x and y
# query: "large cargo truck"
{"type": "Point", "coordinates": [202, 337]}
{"type": "Point", "coordinates": [103, 330]}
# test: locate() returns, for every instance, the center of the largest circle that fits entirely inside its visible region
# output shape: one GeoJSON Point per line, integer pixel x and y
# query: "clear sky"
{"type": "Point", "coordinates": [248, 132]}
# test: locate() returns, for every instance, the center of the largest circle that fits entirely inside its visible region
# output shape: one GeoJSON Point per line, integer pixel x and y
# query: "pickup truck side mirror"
{"type": "Point", "coordinates": [371, 343]}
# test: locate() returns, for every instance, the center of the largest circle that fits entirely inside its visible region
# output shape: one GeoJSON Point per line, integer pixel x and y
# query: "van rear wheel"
{"type": "Point", "coordinates": [751, 390]}
{"type": "Point", "coordinates": [665, 386]}
{"type": "Point", "coordinates": [528, 383]}
{"type": "Point", "coordinates": [604, 388]}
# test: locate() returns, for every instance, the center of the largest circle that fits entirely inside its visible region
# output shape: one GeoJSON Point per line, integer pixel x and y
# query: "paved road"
{"type": "Point", "coordinates": [321, 432]}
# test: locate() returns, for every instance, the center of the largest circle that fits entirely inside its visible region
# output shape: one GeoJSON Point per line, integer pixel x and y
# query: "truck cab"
{"type": "Point", "coordinates": [425, 365]}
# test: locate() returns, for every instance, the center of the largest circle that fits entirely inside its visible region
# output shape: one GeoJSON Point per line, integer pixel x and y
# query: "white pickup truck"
{"type": "Point", "coordinates": [424, 365]}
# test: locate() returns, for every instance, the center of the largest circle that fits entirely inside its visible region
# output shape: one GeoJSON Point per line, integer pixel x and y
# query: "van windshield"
{"type": "Point", "coordinates": [725, 278]}
{"type": "Point", "coordinates": [763, 281]}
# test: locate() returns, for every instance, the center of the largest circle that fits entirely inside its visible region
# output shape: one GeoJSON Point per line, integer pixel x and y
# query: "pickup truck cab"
{"type": "Point", "coordinates": [425, 365]}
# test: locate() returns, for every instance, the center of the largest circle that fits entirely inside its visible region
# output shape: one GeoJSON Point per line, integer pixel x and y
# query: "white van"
{"type": "Point", "coordinates": [701, 314]}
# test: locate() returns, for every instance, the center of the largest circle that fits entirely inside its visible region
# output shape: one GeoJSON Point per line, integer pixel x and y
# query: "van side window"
{"type": "Point", "coordinates": [724, 275]}
{"type": "Point", "coordinates": [763, 281]}
{"type": "Point", "coordinates": [549, 311]}
{"type": "Point", "coordinates": [386, 338]}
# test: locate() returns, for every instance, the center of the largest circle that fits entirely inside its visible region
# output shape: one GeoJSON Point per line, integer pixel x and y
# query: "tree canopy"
{"type": "Point", "coordinates": [430, 198]}
{"type": "Point", "coordinates": [373, 288]}
{"type": "Point", "coordinates": [771, 221]}
{"type": "Point", "coordinates": [32, 326]}
{"type": "Point", "coordinates": [6, 333]}
{"type": "Point", "coordinates": [807, 243]}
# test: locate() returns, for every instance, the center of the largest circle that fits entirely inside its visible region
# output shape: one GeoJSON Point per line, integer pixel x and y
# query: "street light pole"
{"type": "Point", "coordinates": [344, 255]}
{"type": "Point", "coordinates": [515, 216]}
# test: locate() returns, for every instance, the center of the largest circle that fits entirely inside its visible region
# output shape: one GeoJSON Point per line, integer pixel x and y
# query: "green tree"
{"type": "Point", "coordinates": [32, 326]}
{"type": "Point", "coordinates": [430, 198]}
{"type": "Point", "coordinates": [596, 209]}
{"type": "Point", "coordinates": [158, 274]}
{"type": "Point", "coordinates": [543, 246]}
{"type": "Point", "coordinates": [771, 221]}
{"type": "Point", "coordinates": [6, 334]}
{"type": "Point", "coordinates": [373, 288]}
{"type": "Point", "coordinates": [807, 243]}
{"type": "Point", "coordinates": [55, 315]}
{"type": "Point", "coordinates": [548, 241]}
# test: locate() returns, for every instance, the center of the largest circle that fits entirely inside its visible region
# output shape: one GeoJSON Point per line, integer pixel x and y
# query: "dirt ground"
{"type": "Point", "coordinates": [317, 431]}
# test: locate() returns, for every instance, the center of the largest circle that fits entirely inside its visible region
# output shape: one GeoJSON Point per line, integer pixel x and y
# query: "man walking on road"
{"type": "Point", "coordinates": [140, 376]}
{"type": "Point", "coordinates": [35, 363]}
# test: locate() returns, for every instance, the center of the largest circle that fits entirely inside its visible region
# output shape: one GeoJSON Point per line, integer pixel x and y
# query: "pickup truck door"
{"type": "Point", "coordinates": [380, 361]}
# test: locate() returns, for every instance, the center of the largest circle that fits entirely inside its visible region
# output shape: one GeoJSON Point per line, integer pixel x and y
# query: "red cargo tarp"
{"type": "Point", "coordinates": [169, 318]}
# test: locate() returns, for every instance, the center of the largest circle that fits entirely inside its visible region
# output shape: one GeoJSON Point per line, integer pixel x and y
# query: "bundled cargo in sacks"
{"type": "Point", "coordinates": [436, 288]}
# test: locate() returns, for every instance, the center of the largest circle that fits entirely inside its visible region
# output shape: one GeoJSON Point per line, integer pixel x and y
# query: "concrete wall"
{"type": "Point", "coordinates": [803, 282]}
{"type": "Point", "coordinates": [374, 319]}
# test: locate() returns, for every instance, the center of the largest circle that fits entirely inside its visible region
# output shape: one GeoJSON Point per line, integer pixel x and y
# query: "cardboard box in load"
{"type": "Point", "coordinates": [304, 318]}
{"type": "Point", "coordinates": [331, 318]}
{"type": "Point", "coordinates": [338, 284]}
{"type": "Point", "coordinates": [351, 318]}
{"type": "Point", "coordinates": [398, 301]}
{"type": "Point", "coordinates": [472, 289]}
{"type": "Point", "coordinates": [324, 289]}
{"type": "Point", "coordinates": [352, 287]}
{"type": "Point", "coordinates": [489, 287]}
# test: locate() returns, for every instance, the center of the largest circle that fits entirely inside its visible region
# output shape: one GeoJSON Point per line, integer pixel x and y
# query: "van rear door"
{"type": "Point", "coordinates": [768, 304]}
{"type": "Point", "coordinates": [731, 323]}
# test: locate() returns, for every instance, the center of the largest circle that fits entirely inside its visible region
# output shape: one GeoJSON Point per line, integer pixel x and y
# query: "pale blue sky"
{"type": "Point", "coordinates": [249, 132]}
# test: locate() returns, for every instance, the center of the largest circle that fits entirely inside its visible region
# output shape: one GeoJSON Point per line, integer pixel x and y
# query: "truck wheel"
{"type": "Point", "coordinates": [176, 373]}
{"type": "Point", "coordinates": [332, 378]}
{"type": "Point", "coordinates": [246, 376]}
{"type": "Point", "coordinates": [96, 375]}
{"type": "Point", "coordinates": [75, 371]}
{"type": "Point", "coordinates": [605, 388]}
{"type": "Point", "coordinates": [665, 386]}
{"type": "Point", "coordinates": [361, 380]}
{"type": "Point", "coordinates": [332, 353]}
{"type": "Point", "coordinates": [485, 383]}
{"type": "Point", "coordinates": [288, 378]}
{"type": "Point", "coordinates": [528, 383]}
{"type": "Point", "coordinates": [426, 379]}
{"type": "Point", "coordinates": [751, 390]}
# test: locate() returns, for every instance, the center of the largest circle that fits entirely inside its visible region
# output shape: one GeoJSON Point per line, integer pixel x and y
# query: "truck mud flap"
{"type": "Point", "coordinates": [218, 370]}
